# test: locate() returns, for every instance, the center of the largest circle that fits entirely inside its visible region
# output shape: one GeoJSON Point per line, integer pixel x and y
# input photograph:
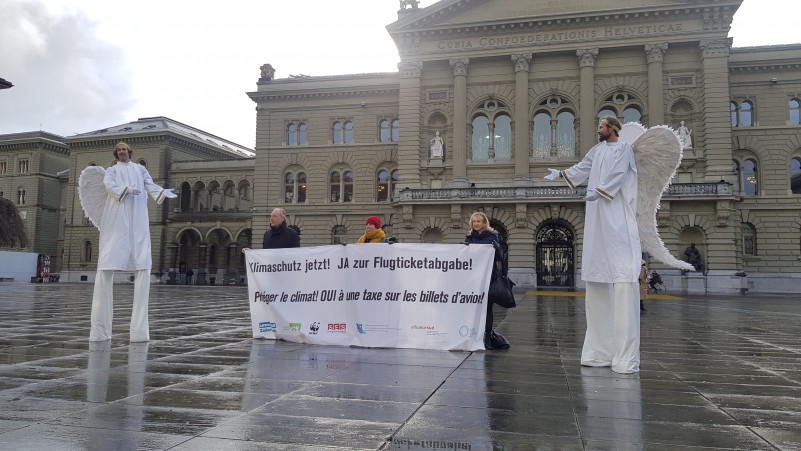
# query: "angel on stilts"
{"type": "Point", "coordinates": [114, 199]}
{"type": "Point", "coordinates": [626, 174]}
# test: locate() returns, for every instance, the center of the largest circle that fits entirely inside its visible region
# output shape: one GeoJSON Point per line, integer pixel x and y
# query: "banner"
{"type": "Point", "coordinates": [424, 296]}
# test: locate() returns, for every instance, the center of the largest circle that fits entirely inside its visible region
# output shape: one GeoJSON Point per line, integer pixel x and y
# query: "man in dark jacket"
{"type": "Point", "coordinates": [279, 236]}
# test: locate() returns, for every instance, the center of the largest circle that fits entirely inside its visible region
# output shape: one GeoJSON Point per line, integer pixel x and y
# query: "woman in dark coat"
{"type": "Point", "coordinates": [482, 233]}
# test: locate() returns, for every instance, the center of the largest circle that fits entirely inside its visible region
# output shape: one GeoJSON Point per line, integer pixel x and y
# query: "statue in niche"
{"type": "Point", "coordinates": [694, 257]}
{"type": "Point", "coordinates": [685, 137]}
{"type": "Point", "coordinates": [437, 145]}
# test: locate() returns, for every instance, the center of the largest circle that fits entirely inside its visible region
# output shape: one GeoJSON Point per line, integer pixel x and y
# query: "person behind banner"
{"type": "Point", "coordinates": [643, 284]}
{"type": "Point", "coordinates": [278, 236]}
{"type": "Point", "coordinates": [482, 233]}
{"type": "Point", "coordinates": [372, 231]}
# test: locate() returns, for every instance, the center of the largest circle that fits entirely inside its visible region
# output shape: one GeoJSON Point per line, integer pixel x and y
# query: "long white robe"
{"type": "Point", "coordinates": [611, 257]}
{"type": "Point", "coordinates": [125, 228]}
{"type": "Point", "coordinates": [611, 250]}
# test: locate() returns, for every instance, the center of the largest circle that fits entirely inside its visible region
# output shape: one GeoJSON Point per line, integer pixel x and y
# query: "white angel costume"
{"type": "Point", "coordinates": [114, 201]}
{"type": "Point", "coordinates": [627, 178]}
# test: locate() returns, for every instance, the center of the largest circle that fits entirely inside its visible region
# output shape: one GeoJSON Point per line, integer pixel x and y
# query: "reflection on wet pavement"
{"type": "Point", "coordinates": [716, 372]}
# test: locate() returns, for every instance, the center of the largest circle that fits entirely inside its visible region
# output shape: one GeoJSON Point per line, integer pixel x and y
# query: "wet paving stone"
{"type": "Point", "coordinates": [717, 373]}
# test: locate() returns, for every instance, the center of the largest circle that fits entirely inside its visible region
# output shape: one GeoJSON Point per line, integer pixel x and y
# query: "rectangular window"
{"type": "Point", "coordinates": [23, 166]}
{"type": "Point", "coordinates": [2, 167]}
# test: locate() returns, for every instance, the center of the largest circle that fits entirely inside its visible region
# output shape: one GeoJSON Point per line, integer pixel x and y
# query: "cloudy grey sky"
{"type": "Point", "coordinates": [83, 65]}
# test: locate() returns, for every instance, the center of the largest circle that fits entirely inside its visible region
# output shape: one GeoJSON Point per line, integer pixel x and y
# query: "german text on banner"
{"type": "Point", "coordinates": [425, 296]}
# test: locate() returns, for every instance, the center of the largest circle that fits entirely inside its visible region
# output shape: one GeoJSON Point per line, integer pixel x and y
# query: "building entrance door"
{"type": "Point", "coordinates": [555, 255]}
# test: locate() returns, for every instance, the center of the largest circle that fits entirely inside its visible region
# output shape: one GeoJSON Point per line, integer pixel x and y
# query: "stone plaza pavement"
{"type": "Point", "coordinates": [718, 372]}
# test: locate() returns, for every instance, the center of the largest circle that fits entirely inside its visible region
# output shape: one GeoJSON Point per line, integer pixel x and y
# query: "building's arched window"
{"type": "Point", "coordinates": [491, 132]}
{"type": "Point", "coordinates": [21, 196]}
{"type": "Point", "coordinates": [395, 130]}
{"type": "Point", "coordinates": [296, 134]}
{"type": "Point", "coordinates": [385, 184]}
{"type": "Point", "coordinates": [795, 175]}
{"type": "Point", "coordinates": [336, 133]}
{"type": "Point", "coordinates": [750, 180]}
{"type": "Point", "coordinates": [632, 114]}
{"type": "Point", "coordinates": [348, 138]}
{"type": "Point", "coordinates": [503, 137]}
{"type": "Point", "coordinates": [342, 133]}
{"type": "Point", "coordinates": [302, 134]}
{"type": "Point", "coordinates": [794, 111]}
{"type": "Point", "coordinates": [746, 114]}
{"type": "Point", "coordinates": [295, 188]}
{"type": "Point", "coordinates": [292, 135]}
{"type": "Point", "coordinates": [338, 234]}
{"type": "Point", "coordinates": [87, 251]}
{"type": "Point", "coordinates": [24, 166]}
{"type": "Point", "coordinates": [554, 129]}
{"type": "Point", "coordinates": [622, 105]}
{"type": "Point", "coordinates": [384, 133]}
{"type": "Point", "coordinates": [748, 232]}
{"type": "Point", "coordinates": [542, 135]}
{"type": "Point", "coordinates": [186, 197]}
{"type": "Point", "coordinates": [742, 114]}
{"type": "Point", "coordinates": [341, 186]}
{"type": "Point", "coordinates": [480, 140]}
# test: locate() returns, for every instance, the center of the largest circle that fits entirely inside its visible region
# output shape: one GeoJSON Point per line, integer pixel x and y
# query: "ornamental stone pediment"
{"type": "Point", "coordinates": [487, 26]}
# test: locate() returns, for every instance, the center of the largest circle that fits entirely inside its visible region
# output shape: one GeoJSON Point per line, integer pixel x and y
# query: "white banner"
{"type": "Point", "coordinates": [424, 296]}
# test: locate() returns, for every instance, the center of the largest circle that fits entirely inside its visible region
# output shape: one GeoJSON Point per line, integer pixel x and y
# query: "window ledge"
{"type": "Point", "coordinates": [752, 258]}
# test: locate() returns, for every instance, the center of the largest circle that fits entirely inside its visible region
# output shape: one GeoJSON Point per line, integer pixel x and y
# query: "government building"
{"type": "Point", "coordinates": [487, 96]}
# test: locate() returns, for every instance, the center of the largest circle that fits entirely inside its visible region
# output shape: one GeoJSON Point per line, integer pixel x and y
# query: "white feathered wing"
{"type": "Point", "coordinates": [657, 153]}
{"type": "Point", "coordinates": [92, 193]}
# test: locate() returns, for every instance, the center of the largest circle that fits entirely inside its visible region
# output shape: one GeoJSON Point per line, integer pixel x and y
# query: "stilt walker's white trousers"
{"type": "Point", "coordinates": [103, 306]}
{"type": "Point", "coordinates": [613, 327]}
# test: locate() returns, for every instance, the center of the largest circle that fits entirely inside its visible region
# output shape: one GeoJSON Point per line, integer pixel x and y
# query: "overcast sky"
{"type": "Point", "coordinates": [83, 65]}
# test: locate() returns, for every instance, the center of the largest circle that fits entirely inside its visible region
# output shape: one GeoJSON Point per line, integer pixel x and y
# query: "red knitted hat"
{"type": "Point", "coordinates": [374, 221]}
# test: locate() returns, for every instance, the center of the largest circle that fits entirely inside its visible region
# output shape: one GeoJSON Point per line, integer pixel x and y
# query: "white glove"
{"type": "Point", "coordinates": [553, 175]}
{"type": "Point", "coordinates": [592, 195]}
{"type": "Point", "coordinates": [169, 194]}
{"type": "Point", "coordinates": [134, 191]}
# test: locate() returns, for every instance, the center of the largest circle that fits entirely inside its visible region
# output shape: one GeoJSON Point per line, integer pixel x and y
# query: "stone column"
{"type": "Point", "coordinates": [409, 115]}
{"type": "Point", "coordinates": [459, 152]}
{"type": "Point", "coordinates": [522, 146]}
{"type": "Point", "coordinates": [587, 112]}
{"type": "Point", "coordinates": [656, 95]}
{"type": "Point", "coordinates": [716, 139]}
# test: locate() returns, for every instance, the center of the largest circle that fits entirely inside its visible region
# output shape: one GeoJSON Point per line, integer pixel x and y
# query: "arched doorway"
{"type": "Point", "coordinates": [555, 255]}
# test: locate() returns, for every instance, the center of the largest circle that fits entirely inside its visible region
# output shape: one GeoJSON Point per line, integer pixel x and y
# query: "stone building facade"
{"type": "Point", "coordinates": [517, 87]}
{"type": "Point", "coordinates": [33, 168]}
{"type": "Point", "coordinates": [512, 88]}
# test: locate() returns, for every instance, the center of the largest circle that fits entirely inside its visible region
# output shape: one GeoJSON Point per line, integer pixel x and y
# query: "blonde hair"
{"type": "Point", "coordinates": [481, 215]}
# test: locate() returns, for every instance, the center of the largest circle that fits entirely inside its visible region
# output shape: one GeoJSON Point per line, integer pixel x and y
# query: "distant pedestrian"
{"type": "Point", "coordinates": [643, 284]}
{"type": "Point", "coordinates": [189, 274]}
